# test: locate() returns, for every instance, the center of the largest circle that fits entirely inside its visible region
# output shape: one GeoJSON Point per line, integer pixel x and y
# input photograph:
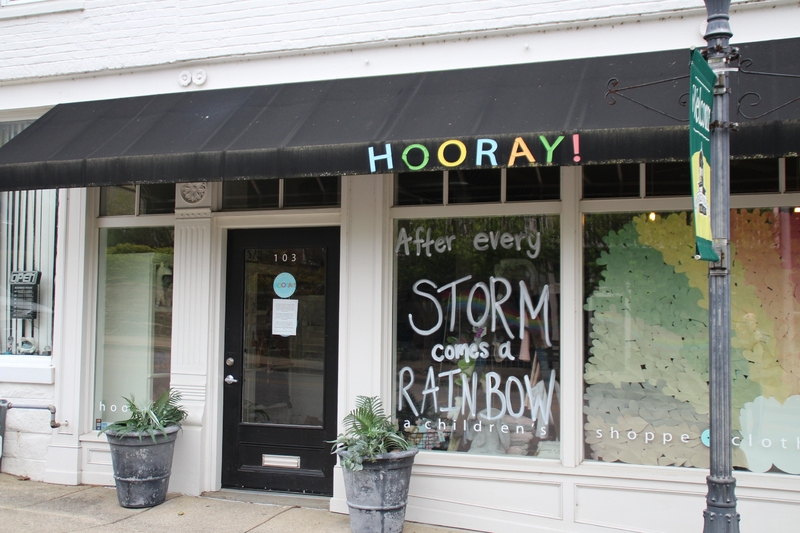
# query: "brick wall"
{"type": "Point", "coordinates": [121, 34]}
{"type": "Point", "coordinates": [28, 432]}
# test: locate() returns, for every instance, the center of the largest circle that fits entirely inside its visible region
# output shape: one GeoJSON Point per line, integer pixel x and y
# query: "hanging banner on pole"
{"type": "Point", "coordinates": [701, 99]}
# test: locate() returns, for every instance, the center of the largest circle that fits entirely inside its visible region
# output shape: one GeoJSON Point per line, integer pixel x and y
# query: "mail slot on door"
{"type": "Point", "coordinates": [24, 293]}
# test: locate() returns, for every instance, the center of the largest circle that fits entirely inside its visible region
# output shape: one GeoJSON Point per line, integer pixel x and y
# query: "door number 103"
{"type": "Point", "coordinates": [284, 258]}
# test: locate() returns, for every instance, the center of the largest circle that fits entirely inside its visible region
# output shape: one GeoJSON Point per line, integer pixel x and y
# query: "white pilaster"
{"type": "Point", "coordinates": [571, 317]}
{"type": "Point", "coordinates": [72, 342]}
{"type": "Point", "coordinates": [365, 356]}
{"type": "Point", "coordinates": [191, 336]}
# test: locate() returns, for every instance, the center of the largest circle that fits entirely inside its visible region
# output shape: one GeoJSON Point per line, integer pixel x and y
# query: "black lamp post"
{"type": "Point", "coordinates": [720, 514]}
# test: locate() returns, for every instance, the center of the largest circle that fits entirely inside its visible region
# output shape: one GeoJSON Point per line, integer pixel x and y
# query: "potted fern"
{"type": "Point", "coordinates": [142, 447]}
{"type": "Point", "coordinates": [376, 462]}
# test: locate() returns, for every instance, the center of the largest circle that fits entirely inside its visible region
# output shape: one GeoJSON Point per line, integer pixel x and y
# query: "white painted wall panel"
{"type": "Point", "coordinates": [639, 510]}
{"type": "Point", "coordinates": [775, 513]}
{"type": "Point", "coordinates": [524, 498]}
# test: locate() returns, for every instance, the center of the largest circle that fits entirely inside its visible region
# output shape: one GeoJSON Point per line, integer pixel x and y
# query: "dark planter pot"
{"type": "Point", "coordinates": [378, 494]}
{"type": "Point", "coordinates": [142, 467]}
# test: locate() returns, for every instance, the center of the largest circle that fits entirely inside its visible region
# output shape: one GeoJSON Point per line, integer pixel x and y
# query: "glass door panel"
{"type": "Point", "coordinates": [284, 328]}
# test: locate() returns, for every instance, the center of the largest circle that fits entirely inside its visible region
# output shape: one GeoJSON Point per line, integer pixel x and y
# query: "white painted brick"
{"type": "Point", "coordinates": [28, 433]}
{"type": "Point", "coordinates": [25, 392]}
{"type": "Point", "coordinates": [116, 34]}
{"type": "Point", "coordinates": [32, 447]}
{"type": "Point", "coordinates": [10, 444]}
{"type": "Point", "coordinates": [24, 467]}
{"type": "Point", "coordinates": [28, 421]}
{"type": "Point", "coordinates": [23, 456]}
{"type": "Point", "coordinates": [25, 446]}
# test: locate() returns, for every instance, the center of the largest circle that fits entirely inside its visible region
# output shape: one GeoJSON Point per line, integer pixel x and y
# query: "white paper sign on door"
{"type": "Point", "coordinates": [284, 317]}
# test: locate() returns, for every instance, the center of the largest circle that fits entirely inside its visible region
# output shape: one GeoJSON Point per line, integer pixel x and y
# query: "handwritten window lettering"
{"type": "Point", "coordinates": [477, 334]}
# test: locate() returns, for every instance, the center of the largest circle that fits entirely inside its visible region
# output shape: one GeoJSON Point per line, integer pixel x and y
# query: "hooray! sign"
{"type": "Point", "coordinates": [455, 153]}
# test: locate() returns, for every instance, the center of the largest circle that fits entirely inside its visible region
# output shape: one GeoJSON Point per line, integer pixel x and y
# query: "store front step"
{"type": "Point", "coordinates": [306, 501]}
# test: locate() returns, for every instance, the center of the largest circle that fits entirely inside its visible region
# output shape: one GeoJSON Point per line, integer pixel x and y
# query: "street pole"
{"type": "Point", "coordinates": [720, 514]}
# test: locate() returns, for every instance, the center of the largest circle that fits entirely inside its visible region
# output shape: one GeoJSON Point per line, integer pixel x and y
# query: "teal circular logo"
{"type": "Point", "coordinates": [705, 437]}
{"type": "Point", "coordinates": [284, 285]}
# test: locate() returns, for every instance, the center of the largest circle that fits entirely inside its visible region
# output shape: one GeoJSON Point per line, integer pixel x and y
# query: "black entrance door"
{"type": "Point", "coordinates": [281, 341]}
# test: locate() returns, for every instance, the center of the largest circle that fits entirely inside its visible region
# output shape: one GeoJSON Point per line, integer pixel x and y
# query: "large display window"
{"type": "Point", "coordinates": [28, 232]}
{"type": "Point", "coordinates": [477, 334]}
{"type": "Point", "coordinates": [646, 367]}
{"type": "Point", "coordinates": [134, 318]}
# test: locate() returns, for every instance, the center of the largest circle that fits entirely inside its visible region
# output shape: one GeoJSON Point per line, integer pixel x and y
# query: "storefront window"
{"type": "Point", "coordinates": [134, 318]}
{"type": "Point", "coordinates": [146, 199]}
{"type": "Point", "coordinates": [480, 185]}
{"type": "Point", "coordinates": [419, 188]}
{"type": "Point", "coordinates": [646, 369]}
{"type": "Point", "coordinates": [749, 176]}
{"type": "Point", "coordinates": [477, 334]}
{"type": "Point", "coordinates": [118, 200]}
{"type": "Point", "coordinates": [157, 198]}
{"type": "Point", "coordinates": [611, 181]}
{"type": "Point", "coordinates": [27, 271]}
{"type": "Point", "coordinates": [28, 231]}
{"type": "Point", "coordinates": [321, 191]}
{"type": "Point", "coordinates": [526, 184]}
{"type": "Point", "coordinates": [792, 173]}
{"type": "Point", "coordinates": [317, 191]}
{"type": "Point", "coordinates": [242, 195]}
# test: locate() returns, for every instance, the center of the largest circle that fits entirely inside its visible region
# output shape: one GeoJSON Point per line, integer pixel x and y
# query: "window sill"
{"type": "Point", "coordinates": [27, 369]}
{"type": "Point", "coordinates": [92, 436]}
{"type": "Point", "coordinates": [40, 8]}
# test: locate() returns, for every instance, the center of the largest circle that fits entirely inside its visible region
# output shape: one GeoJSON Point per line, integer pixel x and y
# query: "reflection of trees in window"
{"type": "Point", "coordinates": [134, 317]}
{"type": "Point", "coordinates": [141, 240]}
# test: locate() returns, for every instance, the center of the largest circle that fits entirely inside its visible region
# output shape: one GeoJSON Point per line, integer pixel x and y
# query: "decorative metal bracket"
{"type": "Point", "coordinates": [613, 92]}
{"type": "Point", "coordinates": [743, 65]}
{"type": "Point", "coordinates": [746, 101]}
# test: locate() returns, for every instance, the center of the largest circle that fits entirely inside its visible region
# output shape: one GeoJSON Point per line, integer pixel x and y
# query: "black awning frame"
{"type": "Point", "coordinates": [551, 113]}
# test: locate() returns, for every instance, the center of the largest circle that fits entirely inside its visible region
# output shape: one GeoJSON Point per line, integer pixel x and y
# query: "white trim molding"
{"type": "Point", "coordinates": [27, 369]}
{"type": "Point", "coordinates": [10, 9]}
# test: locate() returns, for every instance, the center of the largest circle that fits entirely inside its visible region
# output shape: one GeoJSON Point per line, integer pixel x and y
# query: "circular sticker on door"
{"type": "Point", "coordinates": [284, 285]}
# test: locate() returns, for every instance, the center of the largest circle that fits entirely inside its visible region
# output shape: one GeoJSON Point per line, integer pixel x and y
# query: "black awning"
{"type": "Point", "coordinates": [329, 127]}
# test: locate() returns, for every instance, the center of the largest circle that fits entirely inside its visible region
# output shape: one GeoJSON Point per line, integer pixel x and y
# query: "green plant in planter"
{"type": "Point", "coordinates": [150, 417]}
{"type": "Point", "coordinates": [368, 433]}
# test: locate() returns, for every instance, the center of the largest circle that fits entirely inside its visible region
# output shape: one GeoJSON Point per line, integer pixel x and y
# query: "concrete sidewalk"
{"type": "Point", "coordinates": [29, 506]}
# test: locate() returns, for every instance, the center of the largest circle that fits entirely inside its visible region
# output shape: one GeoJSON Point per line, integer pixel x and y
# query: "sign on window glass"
{"type": "Point", "coordinates": [646, 368]}
{"type": "Point", "coordinates": [477, 334]}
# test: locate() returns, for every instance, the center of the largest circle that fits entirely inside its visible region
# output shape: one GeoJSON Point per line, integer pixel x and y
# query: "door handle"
{"type": "Point", "coordinates": [230, 380]}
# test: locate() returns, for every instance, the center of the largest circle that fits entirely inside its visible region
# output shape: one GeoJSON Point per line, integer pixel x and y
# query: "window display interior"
{"type": "Point", "coordinates": [27, 271]}
{"type": "Point", "coordinates": [646, 369]}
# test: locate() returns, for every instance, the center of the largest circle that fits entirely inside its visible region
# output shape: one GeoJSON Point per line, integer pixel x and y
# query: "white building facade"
{"type": "Point", "coordinates": [443, 203]}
